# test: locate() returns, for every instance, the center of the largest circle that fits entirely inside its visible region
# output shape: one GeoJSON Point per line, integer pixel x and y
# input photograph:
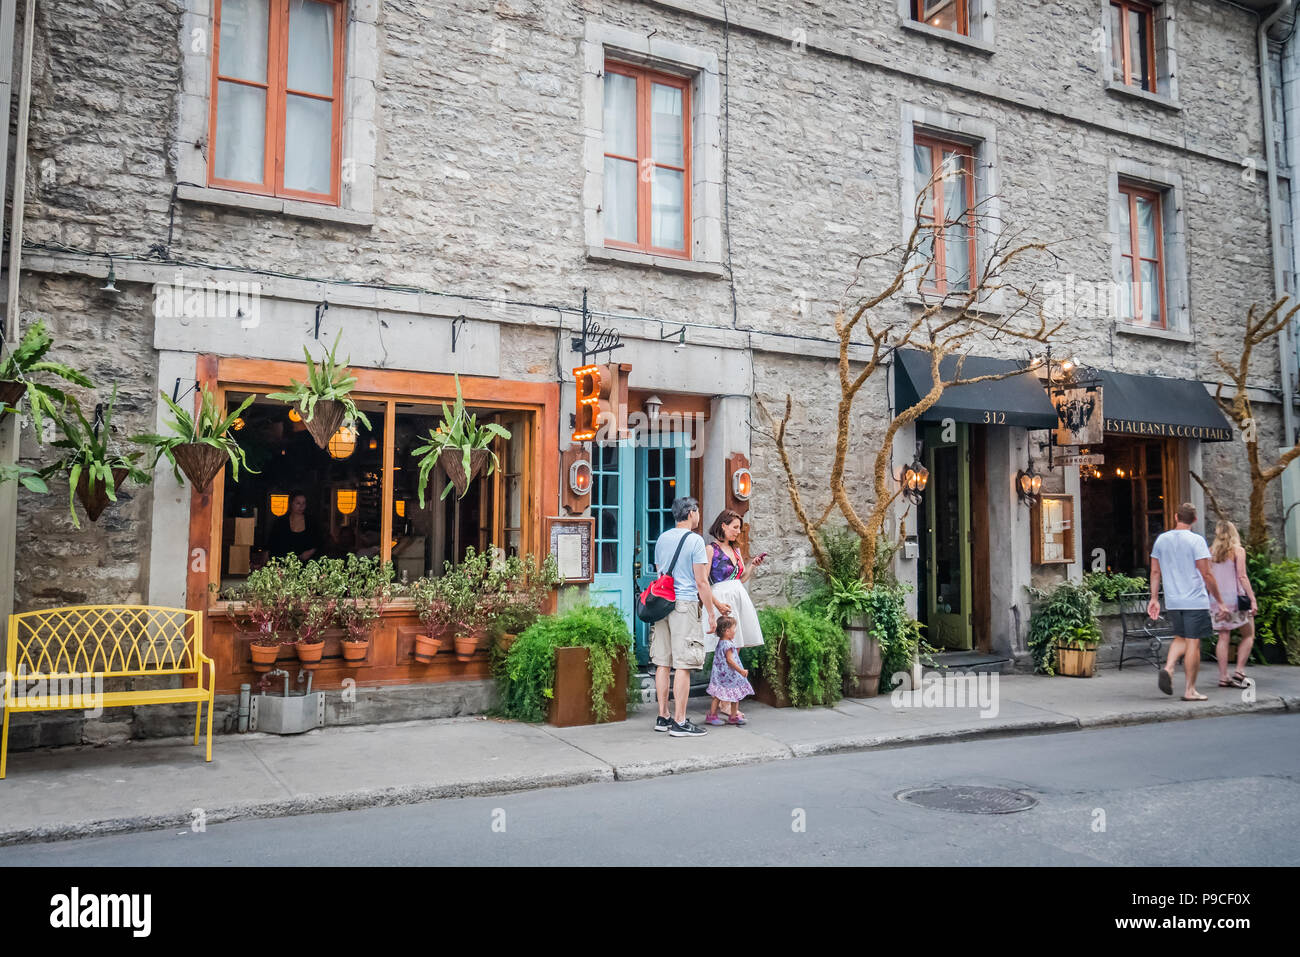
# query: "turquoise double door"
{"type": "Point", "coordinates": [632, 492]}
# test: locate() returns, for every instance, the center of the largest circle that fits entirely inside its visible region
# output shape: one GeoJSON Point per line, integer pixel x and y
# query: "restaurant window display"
{"type": "Point", "coordinates": [331, 502]}
{"type": "Point", "coordinates": [1124, 503]}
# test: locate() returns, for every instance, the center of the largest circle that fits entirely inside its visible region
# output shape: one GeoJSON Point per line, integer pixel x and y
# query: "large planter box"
{"type": "Point", "coordinates": [571, 705]}
{"type": "Point", "coordinates": [766, 693]}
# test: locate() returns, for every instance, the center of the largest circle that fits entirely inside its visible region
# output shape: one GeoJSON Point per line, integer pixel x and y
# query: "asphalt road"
{"type": "Point", "coordinates": [1121, 796]}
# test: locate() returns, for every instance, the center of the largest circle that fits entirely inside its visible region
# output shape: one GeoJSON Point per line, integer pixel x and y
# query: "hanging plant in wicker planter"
{"type": "Point", "coordinates": [95, 473]}
{"type": "Point", "coordinates": [461, 446]}
{"type": "Point", "coordinates": [200, 446]}
{"type": "Point", "coordinates": [323, 399]}
{"type": "Point", "coordinates": [18, 370]}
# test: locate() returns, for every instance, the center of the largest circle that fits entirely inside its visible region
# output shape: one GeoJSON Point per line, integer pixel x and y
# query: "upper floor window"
{"type": "Point", "coordinates": [1133, 44]}
{"type": "Point", "coordinates": [947, 215]}
{"type": "Point", "coordinates": [276, 113]}
{"type": "Point", "coordinates": [1142, 270]}
{"type": "Point", "coordinates": [647, 189]}
{"type": "Point", "coordinates": [951, 15]}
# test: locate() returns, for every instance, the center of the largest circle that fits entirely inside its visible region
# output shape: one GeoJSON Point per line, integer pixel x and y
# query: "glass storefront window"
{"type": "Point", "coordinates": [331, 502]}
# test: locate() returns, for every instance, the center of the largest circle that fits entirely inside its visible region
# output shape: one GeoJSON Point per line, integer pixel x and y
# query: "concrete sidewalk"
{"type": "Point", "coordinates": [76, 792]}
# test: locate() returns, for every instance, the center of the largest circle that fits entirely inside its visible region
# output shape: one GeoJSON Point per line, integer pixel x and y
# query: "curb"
{"type": "Point", "coordinates": [394, 797]}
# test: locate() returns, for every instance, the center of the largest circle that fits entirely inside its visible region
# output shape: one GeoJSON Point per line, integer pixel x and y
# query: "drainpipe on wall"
{"type": "Point", "coordinates": [9, 436]}
{"type": "Point", "coordinates": [1275, 212]}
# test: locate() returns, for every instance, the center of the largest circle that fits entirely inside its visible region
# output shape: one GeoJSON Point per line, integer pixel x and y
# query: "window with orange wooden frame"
{"type": "Point", "coordinates": [1133, 43]}
{"type": "Point", "coordinates": [952, 199]}
{"type": "Point", "coordinates": [647, 125]}
{"type": "Point", "coordinates": [951, 15]}
{"type": "Point", "coordinates": [276, 111]}
{"type": "Point", "coordinates": [1142, 270]}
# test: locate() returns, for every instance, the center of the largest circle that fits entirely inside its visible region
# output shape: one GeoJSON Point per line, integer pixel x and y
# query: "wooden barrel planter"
{"type": "Point", "coordinates": [1076, 662]}
{"type": "Point", "coordinates": [765, 690]}
{"type": "Point", "coordinates": [571, 705]}
{"type": "Point", "coordinates": [864, 660]}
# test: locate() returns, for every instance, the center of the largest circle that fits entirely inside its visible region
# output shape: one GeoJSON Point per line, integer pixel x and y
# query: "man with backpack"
{"type": "Point", "coordinates": [677, 641]}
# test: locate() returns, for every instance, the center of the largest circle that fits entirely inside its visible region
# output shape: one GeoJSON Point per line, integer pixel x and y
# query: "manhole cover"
{"type": "Point", "coordinates": [968, 800]}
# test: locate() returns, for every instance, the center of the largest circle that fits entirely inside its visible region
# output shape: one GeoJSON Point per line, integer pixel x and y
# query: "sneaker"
{"type": "Point", "coordinates": [686, 730]}
{"type": "Point", "coordinates": [714, 719]}
{"type": "Point", "coordinates": [663, 724]}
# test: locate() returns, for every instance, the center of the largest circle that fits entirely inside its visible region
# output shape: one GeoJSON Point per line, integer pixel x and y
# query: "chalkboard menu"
{"type": "Point", "coordinates": [570, 540]}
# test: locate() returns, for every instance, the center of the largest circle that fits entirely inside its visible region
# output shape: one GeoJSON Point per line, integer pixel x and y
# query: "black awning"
{"type": "Point", "coordinates": [1016, 400]}
{"type": "Point", "coordinates": [1156, 406]}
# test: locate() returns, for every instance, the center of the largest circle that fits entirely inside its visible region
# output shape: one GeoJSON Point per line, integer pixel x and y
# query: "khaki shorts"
{"type": "Point", "coordinates": [678, 640]}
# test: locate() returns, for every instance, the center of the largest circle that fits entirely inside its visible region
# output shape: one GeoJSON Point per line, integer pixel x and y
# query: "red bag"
{"type": "Point", "coordinates": [660, 597]}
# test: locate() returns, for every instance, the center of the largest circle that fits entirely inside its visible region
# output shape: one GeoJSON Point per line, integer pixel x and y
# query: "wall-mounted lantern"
{"type": "Point", "coordinates": [742, 484]}
{"type": "Point", "coordinates": [1029, 486]}
{"type": "Point", "coordinates": [913, 480]}
{"type": "Point", "coordinates": [576, 479]}
{"type": "Point", "coordinates": [580, 477]}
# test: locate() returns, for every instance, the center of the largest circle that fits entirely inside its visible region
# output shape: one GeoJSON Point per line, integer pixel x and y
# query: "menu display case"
{"type": "Point", "coordinates": [1052, 532]}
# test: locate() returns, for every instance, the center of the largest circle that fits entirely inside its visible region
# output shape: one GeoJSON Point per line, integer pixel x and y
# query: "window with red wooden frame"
{"type": "Point", "coordinates": [647, 128]}
{"type": "Point", "coordinates": [951, 201]}
{"type": "Point", "coordinates": [1142, 270]}
{"type": "Point", "coordinates": [1133, 44]}
{"type": "Point", "coordinates": [275, 120]}
{"type": "Point", "coordinates": [951, 15]}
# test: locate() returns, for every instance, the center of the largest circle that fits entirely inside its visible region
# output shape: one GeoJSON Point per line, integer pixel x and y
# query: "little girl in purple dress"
{"type": "Point", "coordinates": [729, 682]}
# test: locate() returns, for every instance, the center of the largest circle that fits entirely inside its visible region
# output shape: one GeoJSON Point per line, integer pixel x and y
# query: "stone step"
{"type": "Point", "coordinates": [950, 662]}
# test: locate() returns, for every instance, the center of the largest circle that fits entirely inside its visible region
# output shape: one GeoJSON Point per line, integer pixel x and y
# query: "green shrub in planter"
{"type": "Point", "coordinates": [817, 651]}
{"type": "Point", "coordinates": [1066, 614]}
{"type": "Point", "coordinates": [1277, 592]}
{"type": "Point", "coordinates": [1109, 586]}
{"type": "Point", "coordinates": [526, 674]}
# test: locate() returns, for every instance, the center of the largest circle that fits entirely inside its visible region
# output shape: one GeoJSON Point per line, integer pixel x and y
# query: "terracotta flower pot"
{"type": "Point", "coordinates": [263, 656]}
{"type": "Point", "coordinates": [354, 652]}
{"type": "Point", "coordinates": [95, 502]}
{"type": "Point", "coordinates": [11, 391]}
{"type": "Point", "coordinates": [466, 646]}
{"type": "Point", "coordinates": [310, 653]}
{"type": "Point", "coordinates": [426, 648]}
{"type": "Point", "coordinates": [325, 420]}
{"type": "Point", "coordinates": [199, 462]}
{"type": "Point", "coordinates": [453, 463]}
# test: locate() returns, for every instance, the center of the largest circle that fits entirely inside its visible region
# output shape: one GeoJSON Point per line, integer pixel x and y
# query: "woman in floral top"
{"type": "Point", "coordinates": [728, 573]}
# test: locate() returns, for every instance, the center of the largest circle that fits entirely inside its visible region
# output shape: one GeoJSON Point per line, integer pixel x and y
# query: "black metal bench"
{"type": "Point", "coordinates": [1137, 627]}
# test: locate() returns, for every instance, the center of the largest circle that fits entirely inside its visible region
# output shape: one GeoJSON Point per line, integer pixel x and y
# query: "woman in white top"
{"type": "Point", "coordinates": [1228, 562]}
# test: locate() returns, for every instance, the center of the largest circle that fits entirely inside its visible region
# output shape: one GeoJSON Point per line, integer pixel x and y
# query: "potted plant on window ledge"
{"type": "Point", "coordinates": [523, 586]}
{"type": "Point", "coordinates": [315, 593]}
{"type": "Point", "coordinates": [426, 593]}
{"type": "Point", "coordinates": [264, 607]}
{"type": "Point", "coordinates": [368, 590]}
{"type": "Point", "coordinates": [461, 446]}
{"type": "Point", "coordinates": [17, 372]}
{"type": "Point", "coordinates": [95, 472]}
{"type": "Point", "coordinates": [201, 445]}
{"type": "Point", "coordinates": [324, 399]}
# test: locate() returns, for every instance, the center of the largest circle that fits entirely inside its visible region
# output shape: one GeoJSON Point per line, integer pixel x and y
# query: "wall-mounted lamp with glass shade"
{"type": "Point", "coordinates": [580, 477]}
{"type": "Point", "coordinates": [346, 499]}
{"type": "Point", "coordinates": [279, 504]}
{"type": "Point", "coordinates": [1029, 486]}
{"type": "Point", "coordinates": [913, 480]}
{"type": "Point", "coordinates": [742, 484]}
{"type": "Point", "coordinates": [400, 505]}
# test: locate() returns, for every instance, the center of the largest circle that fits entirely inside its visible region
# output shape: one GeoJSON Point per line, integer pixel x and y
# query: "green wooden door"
{"type": "Point", "coordinates": [948, 538]}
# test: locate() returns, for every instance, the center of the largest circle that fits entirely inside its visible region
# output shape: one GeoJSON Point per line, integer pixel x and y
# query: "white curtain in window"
{"type": "Point", "coordinates": [620, 201]}
{"type": "Point", "coordinates": [241, 133]}
{"type": "Point", "coordinates": [244, 28]}
{"type": "Point", "coordinates": [309, 122]}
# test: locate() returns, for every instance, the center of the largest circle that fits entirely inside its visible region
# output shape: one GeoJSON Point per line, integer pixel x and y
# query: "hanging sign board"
{"type": "Point", "coordinates": [1079, 416]}
{"type": "Point", "coordinates": [1095, 458]}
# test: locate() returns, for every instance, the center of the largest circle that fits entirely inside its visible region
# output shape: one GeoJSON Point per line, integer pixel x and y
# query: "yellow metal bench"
{"type": "Point", "coordinates": [59, 658]}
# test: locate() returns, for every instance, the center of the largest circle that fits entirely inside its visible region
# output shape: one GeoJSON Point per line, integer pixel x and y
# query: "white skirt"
{"type": "Point", "coordinates": [733, 592]}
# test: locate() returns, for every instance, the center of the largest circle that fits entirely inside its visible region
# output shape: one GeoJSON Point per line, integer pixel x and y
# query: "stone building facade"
{"type": "Point", "coordinates": [470, 218]}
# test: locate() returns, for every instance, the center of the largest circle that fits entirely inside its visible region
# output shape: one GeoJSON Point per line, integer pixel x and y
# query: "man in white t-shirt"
{"type": "Point", "coordinates": [1181, 560]}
